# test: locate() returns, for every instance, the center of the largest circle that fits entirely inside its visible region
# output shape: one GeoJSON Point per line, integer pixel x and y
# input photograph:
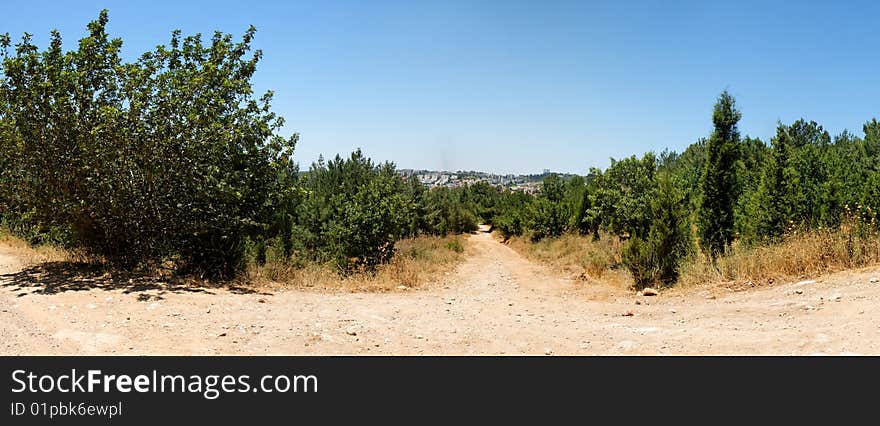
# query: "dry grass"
{"type": "Point", "coordinates": [29, 254]}
{"type": "Point", "coordinates": [417, 263]}
{"type": "Point", "coordinates": [579, 256]}
{"type": "Point", "coordinates": [799, 255]}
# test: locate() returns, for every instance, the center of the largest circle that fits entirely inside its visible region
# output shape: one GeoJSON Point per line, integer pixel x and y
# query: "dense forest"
{"type": "Point", "coordinates": [174, 158]}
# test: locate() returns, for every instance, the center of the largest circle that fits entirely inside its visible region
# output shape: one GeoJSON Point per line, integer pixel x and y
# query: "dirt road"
{"type": "Point", "coordinates": [496, 302]}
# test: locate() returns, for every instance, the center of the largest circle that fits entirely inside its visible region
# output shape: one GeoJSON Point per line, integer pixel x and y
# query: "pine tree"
{"type": "Point", "coordinates": [770, 209]}
{"type": "Point", "coordinates": [657, 258]}
{"type": "Point", "coordinates": [718, 183]}
{"type": "Point", "coordinates": [670, 229]}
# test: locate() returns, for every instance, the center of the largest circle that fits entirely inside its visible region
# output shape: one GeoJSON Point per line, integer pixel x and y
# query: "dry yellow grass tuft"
{"type": "Point", "coordinates": [798, 255]}
{"type": "Point", "coordinates": [29, 254]}
{"type": "Point", "coordinates": [579, 256]}
{"type": "Point", "coordinates": [417, 263]}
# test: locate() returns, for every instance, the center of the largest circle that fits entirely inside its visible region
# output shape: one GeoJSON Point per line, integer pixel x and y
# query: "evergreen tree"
{"type": "Point", "coordinates": [657, 258]}
{"type": "Point", "coordinates": [670, 233]}
{"type": "Point", "coordinates": [768, 210]}
{"type": "Point", "coordinates": [718, 183]}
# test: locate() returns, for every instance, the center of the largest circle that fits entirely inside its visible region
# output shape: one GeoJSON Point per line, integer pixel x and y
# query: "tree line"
{"type": "Point", "coordinates": [721, 189]}
{"type": "Point", "coordinates": [174, 158]}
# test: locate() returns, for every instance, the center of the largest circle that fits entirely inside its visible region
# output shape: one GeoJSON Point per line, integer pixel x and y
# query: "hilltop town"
{"type": "Point", "coordinates": [527, 183]}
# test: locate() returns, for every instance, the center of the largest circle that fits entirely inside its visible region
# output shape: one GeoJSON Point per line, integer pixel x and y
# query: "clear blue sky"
{"type": "Point", "coordinates": [513, 86]}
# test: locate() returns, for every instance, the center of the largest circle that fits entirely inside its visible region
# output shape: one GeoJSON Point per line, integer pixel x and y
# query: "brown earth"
{"type": "Point", "coordinates": [495, 302]}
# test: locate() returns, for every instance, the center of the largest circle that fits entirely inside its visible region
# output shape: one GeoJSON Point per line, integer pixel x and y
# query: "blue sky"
{"type": "Point", "coordinates": [513, 86]}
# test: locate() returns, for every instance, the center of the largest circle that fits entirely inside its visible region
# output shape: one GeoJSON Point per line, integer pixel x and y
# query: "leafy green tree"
{"type": "Point", "coordinates": [548, 215]}
{"type": "Point", "coordinates": [168, 157]}
{"type": "Point", "coordinates": [718, 183]}
{"type": "Point", "coordinates": [621, 196]}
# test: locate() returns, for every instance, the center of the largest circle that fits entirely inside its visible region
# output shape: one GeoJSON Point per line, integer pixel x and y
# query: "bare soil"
{"type": "Point", "coordinates": [495, 302]}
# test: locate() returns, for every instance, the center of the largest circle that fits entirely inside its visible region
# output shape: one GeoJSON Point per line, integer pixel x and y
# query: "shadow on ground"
{"type": "Point", "coordinates": [57, 277]}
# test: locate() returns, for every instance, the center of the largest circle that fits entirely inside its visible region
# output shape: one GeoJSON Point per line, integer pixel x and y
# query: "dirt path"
{"type": "Point", "coordinates": [496, 302]}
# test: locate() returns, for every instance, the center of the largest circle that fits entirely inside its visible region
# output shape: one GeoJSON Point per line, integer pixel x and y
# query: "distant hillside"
{"type": "Point", "coordinates": [437, 178]}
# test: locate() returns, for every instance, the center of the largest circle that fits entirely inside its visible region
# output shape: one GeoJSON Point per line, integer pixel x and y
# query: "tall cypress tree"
{"type": "Point", "coordinates": [718, 182]}
{"type": "Point", "coordinates": [769, 209]}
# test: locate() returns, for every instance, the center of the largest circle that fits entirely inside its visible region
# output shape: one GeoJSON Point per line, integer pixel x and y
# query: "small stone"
{"type": "Point", "coordinates": [351, 332]}
{"type": "Point", "coordinates": [874, 279]}
{"type": "Point", "coordinates": [799, 291]}
{"type": "Point", "coordinates": [419, 336]}
{"type": "Point", "coordinates": [628, 314]}
{"type": "Point", "coordinates": [221, 335]}
{"type": "Point", "coordinates": [648, 291]}
{"type": "Point", "coordinates": [710, 297]}
{"type": "Point", "coordinates": [672, 311]}
{"type": "Point", "coordinates": [836, 297]}
{"type": "Point", "coordinates": [402, 287]}
{"type": "Point", "coordinates": [638, 302]}
{"type": "Point", "coordinates": [261, 300]}
{"type": "Point", "coordinates": [548, 352]}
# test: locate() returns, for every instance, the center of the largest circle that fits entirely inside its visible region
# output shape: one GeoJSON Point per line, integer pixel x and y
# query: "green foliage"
{"type": "Point", "coordinates": [670, 235]}
{"type": "Point", "coordinates": [545, 219]}
{"type": "Point", "coordinates": [447, 211]}
{"type": "Point", "coordinates": [168, 156]}
{"type": "Point", "coordinates": [511, 212]}
{"type": "Point", "coordinates": [718, 182]}
{"type": "Point", "coordinates": [481, 198]}
{"type": "Point", "coordinates": [455, 245]}
{"type": "Point", "coordinates": [353, 212]}
{"type": "Point", "coordinates": [639, 258]}
{"type": "Point", "coordinates": [174, 157]}
{"type": "Point", "coordinates": [657, 258]}
{"type": "Point", "coordinates": [871, 195]}
{"type": "Point", "coordinates": [549, 214]}
{"type": "Point", "coordinates": [620, 197]}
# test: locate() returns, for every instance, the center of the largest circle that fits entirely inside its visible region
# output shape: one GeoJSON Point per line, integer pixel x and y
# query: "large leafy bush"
{"type": "Point", "coordinates": [167, 157]}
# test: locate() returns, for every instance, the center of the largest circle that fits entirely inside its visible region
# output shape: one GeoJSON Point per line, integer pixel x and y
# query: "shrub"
{"type": "Point", "coordinates": [455, 245]}
{"type": "Point", "coordinates": [510, 213]}
{"type": "Point", "coordinates": [598, 261]}
{"type": "Point", "coordinates": [658, 258]}
{"type": "Point", "coordinates": [639, 258]}
{"type": "Point", "coordinates": [353, 213]}
{"type": "Point", "coordinates": [545, 219]}
{"type": "Point", "coordinates": [170, 156]}
{"type": "Point", "coordinates": [447, 212]}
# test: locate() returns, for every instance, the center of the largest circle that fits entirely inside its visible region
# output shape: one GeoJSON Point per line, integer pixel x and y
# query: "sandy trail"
{"type": "Point", "coordinates": [496, 302]}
